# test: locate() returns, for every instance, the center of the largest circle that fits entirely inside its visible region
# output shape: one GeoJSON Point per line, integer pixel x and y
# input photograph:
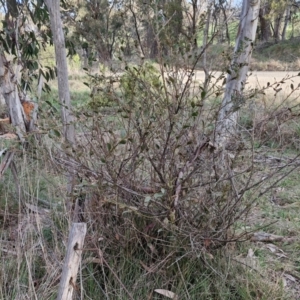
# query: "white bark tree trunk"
{"type": "Point", "coordinates": [9, 88]}
{"type": "Point", "coordinates": [286, 21]}
{"type": "Point", "coordinates": [205, 39]}
{"type": "Point", "coordinates": [63, 88]}
{"type": "Point", "coordinates": [78, 231]}
{"type": "Point", "coordinates": [62, 69]}
{"type": "Point", "coordinates": [233, 99]}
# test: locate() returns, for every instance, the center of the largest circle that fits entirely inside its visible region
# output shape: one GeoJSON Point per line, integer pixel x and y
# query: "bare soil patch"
{"type": "Point", "coordinates": [260, 79]}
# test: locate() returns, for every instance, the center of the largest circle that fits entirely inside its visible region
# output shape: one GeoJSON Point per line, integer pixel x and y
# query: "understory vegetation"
{"type": "Point", "coordinates": [165, 220]}
{"type": "Point", "coordinates": [182, 162]}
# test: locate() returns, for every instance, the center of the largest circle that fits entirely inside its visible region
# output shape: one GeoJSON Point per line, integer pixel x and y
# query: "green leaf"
{"type": "Point", "coordinates": [172, 79]}
{"type": "Point", "coordinates": [35, 65]}
{"type": "Point", "coordinates": [47, 76]}
{"type": "Point", "coordinates": [5, 47]}
{"type": "Point", "coordinates": [47, 87]}
{"type": "Point", "coordinates": [56, 132]}
{"type": "Point", "coordinates": [52, 73]}
{"type": "Point", "coordinates": [158, 195]}
{"type": "Point", "coordinates": [51, 105]}
{"type": "Point", "coordinates": [147, 200]}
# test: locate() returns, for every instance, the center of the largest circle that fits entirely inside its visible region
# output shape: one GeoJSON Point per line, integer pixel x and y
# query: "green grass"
{"type": "Point", "coordinates": [285, 51]}
{"type": "Point", "coordinates": [220, 276]}
{"type": "Point", "coordinates": [281, 209]}
{"type": "Point", "coordinates": [188, 279]}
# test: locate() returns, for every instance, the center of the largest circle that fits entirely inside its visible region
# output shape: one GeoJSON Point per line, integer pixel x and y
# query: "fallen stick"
{"type": "Point", "coordinates": [6, 162]}
{"type": "Point", "coordinates": [268, 237]}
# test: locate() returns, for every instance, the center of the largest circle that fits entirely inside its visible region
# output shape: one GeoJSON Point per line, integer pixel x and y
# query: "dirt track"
{"type": "Point", "coordinates": [260, 79]}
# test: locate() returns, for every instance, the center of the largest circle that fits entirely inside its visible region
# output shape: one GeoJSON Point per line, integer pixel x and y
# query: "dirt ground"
{"type": "Point", "coordinates": [260, 79]}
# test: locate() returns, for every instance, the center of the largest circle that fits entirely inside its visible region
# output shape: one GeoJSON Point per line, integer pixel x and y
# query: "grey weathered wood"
{"type": "Point", "coordinates": [9, 88]}
{"type": "Point", "coordinates": [6, 162]}
{"type": "Point", "coordinates": [233, 97]}
{"type": "Point", "coordinates": [72, 261]}
{"type": "Point", "coordinates": [63, 82]}
{"type": "Point", "coordinates": [205, 39]}
{"type": "Point", "coordinates": [62, 69]}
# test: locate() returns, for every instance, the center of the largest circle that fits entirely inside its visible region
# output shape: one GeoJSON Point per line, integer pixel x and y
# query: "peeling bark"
{"type": "Point", "coordinates": [9, 88]}
{"type": "Point", "coordinates": [226, 126]}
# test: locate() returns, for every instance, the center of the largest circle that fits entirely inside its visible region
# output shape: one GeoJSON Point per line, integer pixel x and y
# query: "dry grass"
{"type": "Point", "coordinates": [274, 65]}
{"type": "Point", "coordinates": [260, 79]}
{"type": "Point", "coordinates": [145, 249]}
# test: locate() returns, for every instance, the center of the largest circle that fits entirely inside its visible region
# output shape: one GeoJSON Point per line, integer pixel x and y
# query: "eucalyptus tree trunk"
{"type": "Point", "coordinates": [223, 9]}
{"type": "Point", "coordinates": [277, 25]}
{"type": "Point", "coordinates": [194, 23]}
{"type": "Point", "coordinates": [63, 89]}
{"type": "Point", "coordinates": [62, 69]}
{"type": "Point", "coordinates": [226, 126]}
{"type": "Point", "coordinates": [205, 40]}
{"type": "Point", "coordinates": [286, 21]}
{"type": "Point", "coordinates": [265, 24]}
{"type": "Point", "coordinates": [68, 276]}
{"type": "Point", "coordinates": [9, 88]}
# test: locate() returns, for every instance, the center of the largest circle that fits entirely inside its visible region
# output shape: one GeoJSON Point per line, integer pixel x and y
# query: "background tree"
{"type": "Point", "coordinates": [62, 70]}
{"type": "Point", "coordinates": [226, 127]}
{"type": "Point", "coordinates": [274, 18]}
{"type": "Point", "coordinates": [96, 27]}
{"type": "Point", "coordinates": [265, 23]}
{"type": "Point", "coordinates": [22, 38]}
